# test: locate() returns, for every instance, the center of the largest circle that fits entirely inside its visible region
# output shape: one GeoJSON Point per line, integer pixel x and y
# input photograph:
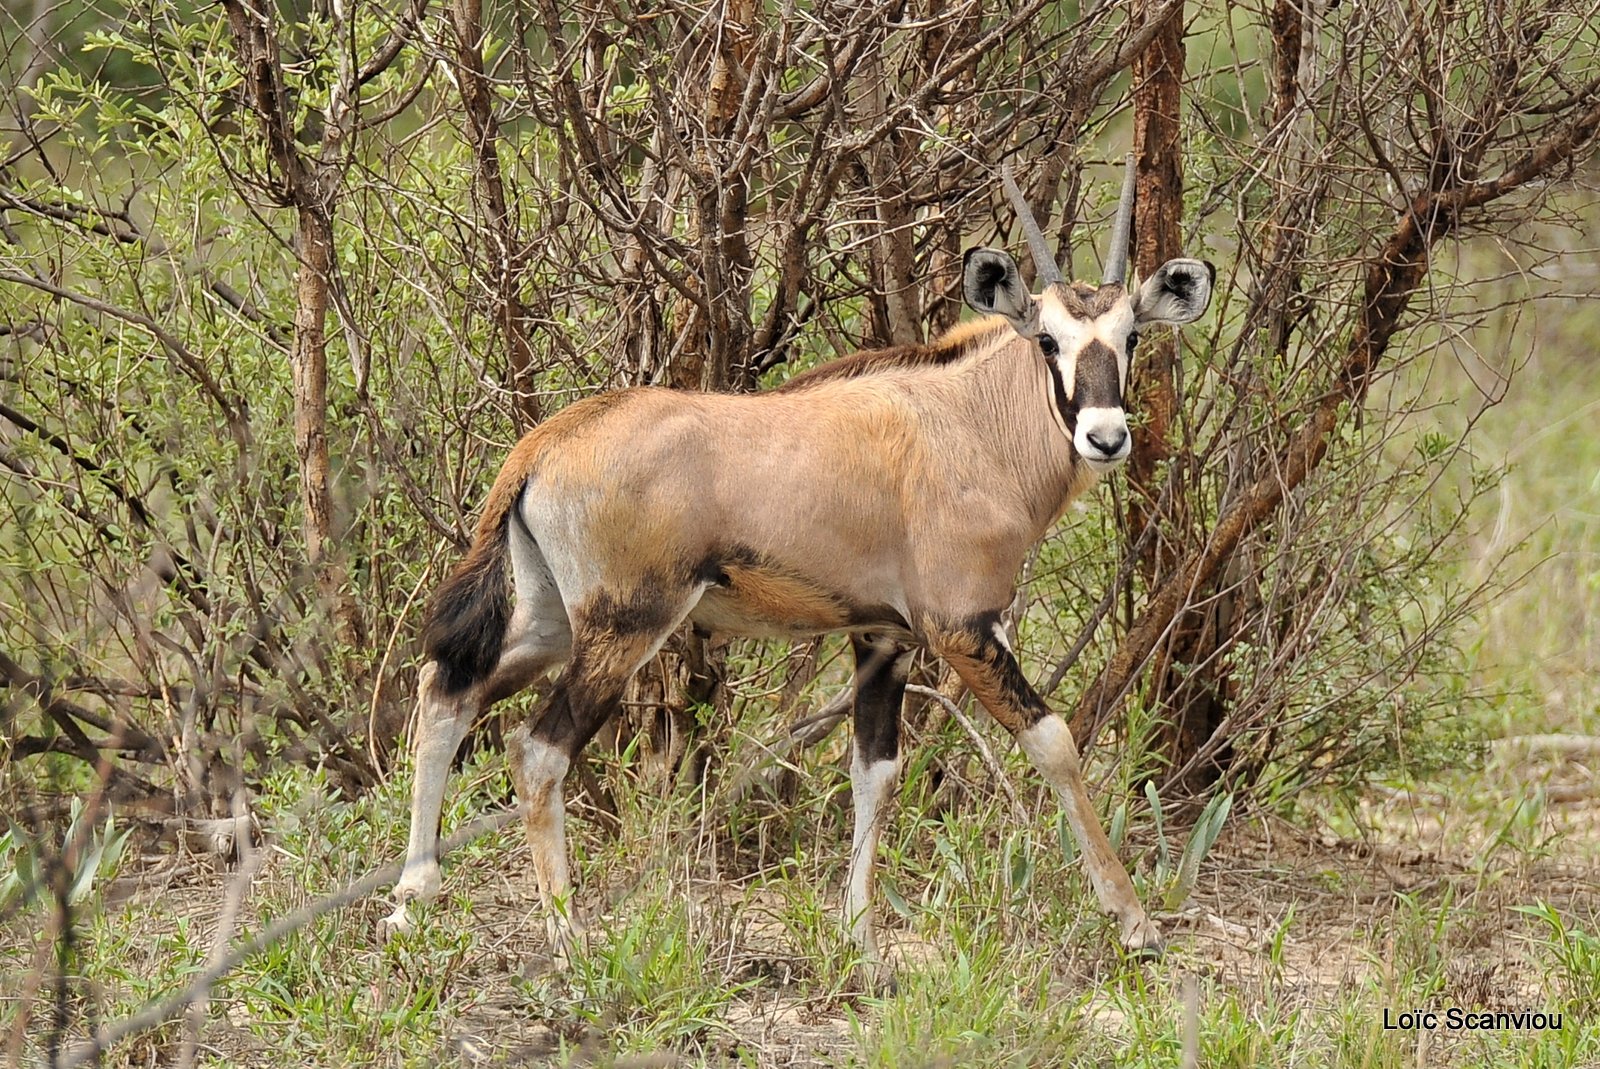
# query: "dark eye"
{"type": "Point", "coordinates": [1133, 340]}
{"type": "Point", "coordinates": [1048, 346]}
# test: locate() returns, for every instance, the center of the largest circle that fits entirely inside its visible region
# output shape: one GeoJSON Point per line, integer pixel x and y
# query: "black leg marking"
{"type": "Point", "coordinates": [975, 647]}
{"type": "Point", "coordinates": [881, 667]}
{"type": "Point", "coordinates": [881, 670]}
{"type": "Point", "coordinates": [574, 711]}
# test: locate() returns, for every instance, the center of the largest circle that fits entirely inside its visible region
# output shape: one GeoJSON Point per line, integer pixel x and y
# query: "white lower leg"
{"type": "Point", "coordinates": [1049, 746]}
{"type": "Point", "coordinates": [442, 724]}
{"type": "Point", "coordinates": [538, 770]}
{"type": "Point", "coordinates": [871, 789]}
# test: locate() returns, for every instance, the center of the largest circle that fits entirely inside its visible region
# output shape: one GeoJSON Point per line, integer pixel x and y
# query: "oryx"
{"type": "Point", "coordinates": [892, 495]}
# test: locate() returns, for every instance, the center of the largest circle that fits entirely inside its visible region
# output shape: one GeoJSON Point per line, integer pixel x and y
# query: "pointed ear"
{"type": "Point", "coordinates": [993, 287]}
{"type": "Point", "coordinates": [1178, 293]}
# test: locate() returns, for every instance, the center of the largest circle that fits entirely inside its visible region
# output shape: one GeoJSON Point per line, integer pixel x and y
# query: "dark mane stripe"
{"type": "Point", "coordinates": [945, 349]}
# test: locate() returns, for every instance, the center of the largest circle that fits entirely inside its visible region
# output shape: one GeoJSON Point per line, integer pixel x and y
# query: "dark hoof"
{"type": "Point", "coordinates": [877, 979]}
{"type": "Point", "coordinates": [1142, 940]}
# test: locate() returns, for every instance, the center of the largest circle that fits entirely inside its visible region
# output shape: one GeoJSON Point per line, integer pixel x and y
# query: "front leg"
{"type": "Point", "coordinates": [978, 651]}
{"type": "Point", "coordinates": [881, 669]}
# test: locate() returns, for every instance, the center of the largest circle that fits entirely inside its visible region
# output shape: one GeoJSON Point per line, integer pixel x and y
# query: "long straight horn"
{"type": "Point", "coordinates": [1117, 255]}
{"type": "Point", "coordinates": [1044, 264]}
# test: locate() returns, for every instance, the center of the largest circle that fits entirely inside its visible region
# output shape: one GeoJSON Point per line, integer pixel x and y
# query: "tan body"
{"type": "Point", "coordinates": [868, 545]}
{"type": "Point", "coordinates": [891, 495]}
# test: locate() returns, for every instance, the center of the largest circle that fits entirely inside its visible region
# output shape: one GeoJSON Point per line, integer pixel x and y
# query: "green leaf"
{"type": "Point", "coordinates": [897, 903]}
{"type": "Point", "coordinates": [1069, 842]}
{"type": "Point", "coordinates": [1119, 826]}
{"type": "Point", "coordinates": [1201, 840]}
{"type": "Point", "coordinates": [1020, 863]}
{"type": "Point", "coordinates": [1163, 857]}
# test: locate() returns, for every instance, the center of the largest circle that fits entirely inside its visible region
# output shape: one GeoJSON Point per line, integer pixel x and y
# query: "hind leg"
{"type": "Point", "coordinates": [537, 638]}
{"type": "Point", "coordinates": [609, 645]}
{"type": "Point", "coordinates": [442, 722]}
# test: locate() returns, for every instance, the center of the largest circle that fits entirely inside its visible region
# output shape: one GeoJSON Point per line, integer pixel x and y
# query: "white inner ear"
{"type": "Point", "coordinates": [1007, 297]}
{"type": "Point", "coordinates": [1177, 293]}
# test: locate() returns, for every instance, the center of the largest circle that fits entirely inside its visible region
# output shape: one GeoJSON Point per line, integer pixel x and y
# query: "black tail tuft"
{"type": "Point", "coordinates": [467, 621]}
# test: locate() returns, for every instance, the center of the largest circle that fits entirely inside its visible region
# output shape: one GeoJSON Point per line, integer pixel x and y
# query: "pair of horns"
{"type": "Point", "coordinates": [1044, 263]}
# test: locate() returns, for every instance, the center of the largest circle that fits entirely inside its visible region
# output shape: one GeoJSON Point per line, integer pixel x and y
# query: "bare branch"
{"type": "Point", "coordinates": [201, 986]}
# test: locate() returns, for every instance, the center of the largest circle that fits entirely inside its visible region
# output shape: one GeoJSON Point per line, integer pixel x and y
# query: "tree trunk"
{"type": "Point", "coordinates": [500, 242]}
{"type": "Point", "coordinates": [727, 262]}
{"type": "Point", "coordinates": [1185, 683]}
{"type": "Point", "coordinates": [308, 359]}
{"type": "Point", "coordinates": [896, 310]}
{"type": "Point", "coordinates": [1157, 237]}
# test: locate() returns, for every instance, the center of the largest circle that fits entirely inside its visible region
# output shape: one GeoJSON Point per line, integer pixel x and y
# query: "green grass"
{"type": "Point", "coordinates": [695, 957]}
{"type": "Point", "coordinates": [711, 946]}
{"type": "Point", "coordinates": [1537, 648]}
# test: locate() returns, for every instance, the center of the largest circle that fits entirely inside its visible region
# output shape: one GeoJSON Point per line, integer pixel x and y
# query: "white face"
{"type": "Point", "coordinates": [1088, 360]}
{"type": "Point", "coordinates": [1086, 336]}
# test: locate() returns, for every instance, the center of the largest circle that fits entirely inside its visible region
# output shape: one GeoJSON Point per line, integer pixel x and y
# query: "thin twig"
{"type": "Point", "coordinates": [985, 754]}
{"type": "Point", "coordinates": [250, 860]}
{"type": "Point", "coordinates": [200, 987]}
{"type": "Point", "coordinates": [802, 735]}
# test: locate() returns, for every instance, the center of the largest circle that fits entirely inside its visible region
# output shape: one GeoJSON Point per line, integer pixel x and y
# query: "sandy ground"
{"type": "Point", "coordinates": [1338, 895]}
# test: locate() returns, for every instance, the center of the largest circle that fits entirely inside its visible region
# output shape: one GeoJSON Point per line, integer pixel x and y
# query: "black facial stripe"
{"type": "Point", "coordinates": [1097, 381]}
{"type": "Point", "coordinates": [1068, 410]}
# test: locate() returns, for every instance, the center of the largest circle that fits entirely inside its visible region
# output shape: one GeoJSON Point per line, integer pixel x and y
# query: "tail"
{"type": "Point", "coordinates": [466, 624]}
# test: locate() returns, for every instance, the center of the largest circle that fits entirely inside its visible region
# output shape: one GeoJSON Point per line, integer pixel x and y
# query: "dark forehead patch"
{"type": "Point", "coordinates": [1095, 377]}
{"type": "Point", "coordinates": [1081, 300]}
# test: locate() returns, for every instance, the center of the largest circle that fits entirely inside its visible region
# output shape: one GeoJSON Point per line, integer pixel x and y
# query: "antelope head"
{"type": "Point", "coordinates": [1086, 334]}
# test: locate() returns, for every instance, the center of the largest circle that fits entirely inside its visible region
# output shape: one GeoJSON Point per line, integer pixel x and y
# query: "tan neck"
{"type": "Point", "coordinates": [1007, 393]}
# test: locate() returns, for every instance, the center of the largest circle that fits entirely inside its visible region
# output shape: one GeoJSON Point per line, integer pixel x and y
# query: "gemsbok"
{"type": "Point", "coordinates": [892, 495]}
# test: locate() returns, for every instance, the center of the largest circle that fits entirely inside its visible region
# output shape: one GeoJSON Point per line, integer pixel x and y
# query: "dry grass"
{"type": "Point", "coordinates": [701, 954]}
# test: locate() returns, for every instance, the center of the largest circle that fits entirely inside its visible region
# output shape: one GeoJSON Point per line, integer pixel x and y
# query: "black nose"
{"type": "Point", "coordinates": [1110, 445]}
